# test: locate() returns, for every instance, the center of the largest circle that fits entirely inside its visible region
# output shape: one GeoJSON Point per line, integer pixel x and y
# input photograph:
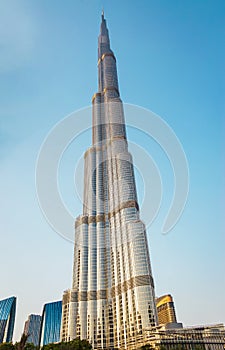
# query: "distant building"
{"type": "Point", "coordinates": [165, 309]}
{"type": "Point", "coordinates": [7, 319]}
{"type": "Point", "coordinates": [192, 338]}
{"type": "Point", "coordinates": [32, 328]}
{"type": "Point", "coordinates": [65, 315]}
{"type": "Point", "coordinates": [51, 323]}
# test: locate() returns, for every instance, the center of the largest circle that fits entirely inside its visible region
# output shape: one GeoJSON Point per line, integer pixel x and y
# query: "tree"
{"type": "Point", "coordinates": [75, 344]}
{"type": "Point", "coordinates": [22, 343]}
{"type": "Point", "coordinates": [146, 347]}
{"type": "Point", "coordinates": [7, 346]}
{"type": "Point", "coordinates": [31, 346]}
{"type": "Point", "coordinates": [161, 347]}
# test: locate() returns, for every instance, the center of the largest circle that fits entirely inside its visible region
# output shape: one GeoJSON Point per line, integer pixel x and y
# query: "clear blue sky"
{"type": "Point", "coordinates": [170, 58]}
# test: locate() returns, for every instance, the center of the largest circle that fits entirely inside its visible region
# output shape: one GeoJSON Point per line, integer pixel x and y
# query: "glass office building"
{"type": "Point", "coordinates": [32, 328]}
{"type": "Point", "coordinates": [112, 298]}
{"type": "Point", "coordinates": [51, 323]}
{"type": "Point", "coordinates": [7, 319]}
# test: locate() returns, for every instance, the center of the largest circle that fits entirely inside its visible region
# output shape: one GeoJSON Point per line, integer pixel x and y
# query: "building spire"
{"type": "Point", "coordinates": [103, 39]}
{"type": "Point", "coordinates": [104, 30]}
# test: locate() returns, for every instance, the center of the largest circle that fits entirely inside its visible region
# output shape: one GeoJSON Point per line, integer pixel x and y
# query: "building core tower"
{"type": "Point", "coordinates": [112, 300]}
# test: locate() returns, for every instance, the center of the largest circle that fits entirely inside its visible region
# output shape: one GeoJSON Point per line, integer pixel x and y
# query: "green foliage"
{"type": "Point", "coordinates": [75, 344]}
{"type": "Point", "coordinates": [146, 347]}
{"type": "Point", "coordinates": [31, 346]}
{"type": "Point", "coordinates": [22, 343]}
{"type": "Point", "coordinates": [161, 347]}
{"type": "Point", "coordinates": [7, 346]}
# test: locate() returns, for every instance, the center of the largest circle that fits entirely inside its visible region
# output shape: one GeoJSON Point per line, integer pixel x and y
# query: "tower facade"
{"type": "Point", "coordinates": [112, 299]}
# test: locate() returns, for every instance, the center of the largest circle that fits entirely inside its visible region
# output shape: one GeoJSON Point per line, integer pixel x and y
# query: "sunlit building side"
{"type": "Point", "coordinates": [112, 297]}
{"type": "Point", "coordinates": [166, 309]}
{"type": "Point", "coordinates": [66, 302]}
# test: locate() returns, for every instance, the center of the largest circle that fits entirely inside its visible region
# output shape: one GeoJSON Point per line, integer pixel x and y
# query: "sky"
{"type": "Point", "coordinates": [170, 60]}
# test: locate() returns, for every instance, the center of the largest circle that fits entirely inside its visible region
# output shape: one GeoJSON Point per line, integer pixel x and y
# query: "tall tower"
{"type": "Point", "coordinates": [112, 299]}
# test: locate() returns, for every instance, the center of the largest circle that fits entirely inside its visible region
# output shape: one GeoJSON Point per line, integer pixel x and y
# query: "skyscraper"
{"type": "Point", "coordinates": [32, 328]}
{"type": "Point", "coordinates": [7, 319]}
{"type": "Point", "coordinates": [51, 323]}
{"type": "Point", "coordinates": [112, 299]}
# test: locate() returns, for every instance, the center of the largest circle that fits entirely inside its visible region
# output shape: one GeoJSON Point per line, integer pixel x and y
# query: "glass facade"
{"type": "Point", "coordinates": [7, 319]}
{"type": "Point", "coordinates": [32, 327]}
{"type": "Point", "coordinates": [51, 323]}
{"type": "Point", "coordinates": [112, 296]}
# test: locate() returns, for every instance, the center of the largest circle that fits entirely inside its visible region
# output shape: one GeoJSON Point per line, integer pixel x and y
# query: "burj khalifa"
{"type": "Point", "coordinates": [112, 300]}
